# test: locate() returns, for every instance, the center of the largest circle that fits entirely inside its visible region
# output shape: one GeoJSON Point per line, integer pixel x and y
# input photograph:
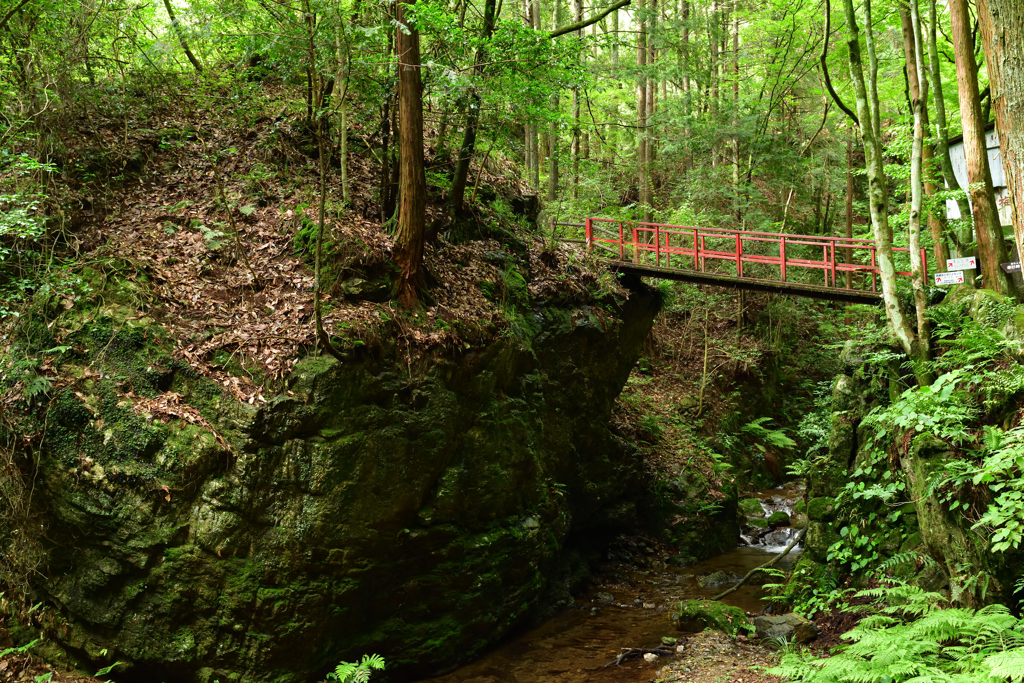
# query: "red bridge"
{"type": "Point", "coordinates": [759, 261]}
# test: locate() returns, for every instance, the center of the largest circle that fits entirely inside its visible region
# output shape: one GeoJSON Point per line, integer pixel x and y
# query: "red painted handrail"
{"type": "Point", "coordinates": [664, 242]}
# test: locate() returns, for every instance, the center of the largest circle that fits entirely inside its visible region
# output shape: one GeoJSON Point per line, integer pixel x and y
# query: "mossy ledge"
{"type": "Point", "coordinates": [362, 510]}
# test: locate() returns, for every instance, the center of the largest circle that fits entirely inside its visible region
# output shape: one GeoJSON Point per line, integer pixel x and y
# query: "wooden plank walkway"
{"type": "Point", "coordinates": [740, 259]}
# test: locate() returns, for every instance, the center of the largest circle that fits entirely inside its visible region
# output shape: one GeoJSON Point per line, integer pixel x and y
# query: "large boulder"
{"type": "Point", "coordinates": [697, 615]}
{"type": "Point", "coordinates": [790, 627]}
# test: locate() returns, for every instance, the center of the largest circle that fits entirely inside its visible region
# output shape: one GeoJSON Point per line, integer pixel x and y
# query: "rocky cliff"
{"type": "Point", "coordinates": [417, 510]}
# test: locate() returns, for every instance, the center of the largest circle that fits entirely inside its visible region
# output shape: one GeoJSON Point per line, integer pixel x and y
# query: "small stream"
{"type": "Point", "coordinates": [630, 608]}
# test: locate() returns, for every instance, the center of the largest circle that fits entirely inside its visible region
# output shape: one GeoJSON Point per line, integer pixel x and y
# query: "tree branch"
{"type": "Point", "coordinates": [824, 65]}
{"type": "Point", "coordinates": [591, 20]}
{"type": "Point", "coordinates": [14, 10]}
{"type": "Point", "coordinates": [769, 563]}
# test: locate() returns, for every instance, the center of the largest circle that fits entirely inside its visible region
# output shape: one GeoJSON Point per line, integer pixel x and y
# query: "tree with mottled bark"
{"type": "Point", "coordinates": [867, 103]}
{"type": "Point", "coordinates": [918, 90]}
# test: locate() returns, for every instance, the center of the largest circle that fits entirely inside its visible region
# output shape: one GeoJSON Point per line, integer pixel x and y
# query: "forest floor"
{"type": "Point", "coordinates": [713, 657]}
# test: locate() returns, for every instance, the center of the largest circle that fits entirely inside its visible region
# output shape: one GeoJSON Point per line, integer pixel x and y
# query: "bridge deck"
{"type": "Point", "coordinates": [741, 259]}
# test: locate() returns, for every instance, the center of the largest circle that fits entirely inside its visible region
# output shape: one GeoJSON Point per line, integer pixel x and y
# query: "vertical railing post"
{"type": "Point", "coordinates": [636, 247]}
{"type": "Point", "coordinates": [874, 275]}
{"type": "Point", "coordinates": [824, 262]}
{"type": "Point", "coordinates": [657, 246]}
{"type": "Point", "coordinates": [924, 266]}
{"type": "Point", "coordinates": [782, 256]}
{"type": "Point", "coordinates": [739, 262]}
{"type": "Point", "coordinates": [703, 248]}
{"type": "Point", "coordinates": [622, 246]}
{"type": "Point", "coordinates": [832, 252]}
{"type": "Point", "coordinates": [590, 235]}
{"type": "Point", "coordinates": [696, 251]}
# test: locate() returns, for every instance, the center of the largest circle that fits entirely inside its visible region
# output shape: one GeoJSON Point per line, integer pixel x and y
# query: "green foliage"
{"type": "Point", "coordinates": [351, 672]}
{"type": "Point", "coordinates": [940, 409]}
{"type": "Point", "coordinates": [773, 437]}
{"type": "Point", "coordinates": [911, 636]}
{"type": "Point", "coordinates": [999, 466]}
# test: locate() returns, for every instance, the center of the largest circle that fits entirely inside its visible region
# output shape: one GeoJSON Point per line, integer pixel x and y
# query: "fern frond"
{"type": "Point", "coordinates": [1008, 664]}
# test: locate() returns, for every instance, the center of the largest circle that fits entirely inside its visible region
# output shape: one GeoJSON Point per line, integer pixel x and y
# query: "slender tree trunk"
{"type": "Point", "coordinates": [180, 33]}
{"type": "Point", "coordinates": [615, 39]}
{"type": "Point", "coordinates": [641, 107]}
{"type": "Point", "coordinates": [576, 135]}
{"type": "Point", "coordinates": [919, 96]}
{"type": "Point", "coordinates": [553, 172]}
{"type": "Point", "coordinates": [684, 59]}
{"type": "Point", "coordinates": [652, 96]}
{"type": "Point", "coordinates": [962, 238]}
{"type": "Point", "coordinates": [713, 43]}
{"type": "Point", "coordinates": [412, 193]}
{"type": "Point", "coordinates": [736, 108]}
{"type": "Point", "coordinates": [918, 88]}
{"type": "Point", "coordinates": [534, 142]}
{"type": "Point", "coordinates": [849, 207]}
{"type": "Point", "coordinates": [878, 200]}
{"type": "Point", "coordinates": [991, 248]}
{"type": "Point", "coordinates": [342, 79]}
{"type": "Point", "coordinates": [1002, 31]}
{"type": "Point", "coordinates": [461, 175]}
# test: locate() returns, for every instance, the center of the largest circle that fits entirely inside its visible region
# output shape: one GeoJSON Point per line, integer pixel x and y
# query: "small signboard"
{"type": "Point", "coordinates": [953, 277]}
{"type": "Point", "coordinates": [967, 263]}
{"type": "Point", "coordinates": [1011, 267]}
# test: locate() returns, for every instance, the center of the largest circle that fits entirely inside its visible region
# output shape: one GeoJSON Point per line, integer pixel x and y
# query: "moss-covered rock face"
{"type": "Point", "coordinates": [367, 509]}
{"type": "Point", "coordinates": [697, 615]}
{"type": "Point", "coordinates": [751, 507]}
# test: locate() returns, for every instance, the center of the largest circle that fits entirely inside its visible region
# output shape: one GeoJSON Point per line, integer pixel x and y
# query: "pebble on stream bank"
{"type": "Point", "coordinates": [713, 657]}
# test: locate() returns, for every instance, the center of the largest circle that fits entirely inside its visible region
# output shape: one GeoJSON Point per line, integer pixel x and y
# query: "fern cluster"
{"type": "Point", "coordinates": [357, 672]}
{"type": "Point", "coordinates": [913, 638]}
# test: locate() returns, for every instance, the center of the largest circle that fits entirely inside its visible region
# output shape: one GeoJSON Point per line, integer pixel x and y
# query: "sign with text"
{"type": "Point", "coordinates": [1011, 267]}
{"type": "Point", "coordinates": [967, 263]}
{"type": "Point", "coordinates": [953, 277]}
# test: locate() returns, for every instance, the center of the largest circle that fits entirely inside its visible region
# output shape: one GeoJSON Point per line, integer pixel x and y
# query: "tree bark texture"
{"type": "Point", "coordinates": [412, 183]}
{"type": "Point", "coordinates": [1002, 34]}
{"type": "Point", "coordinates": [991, 248]}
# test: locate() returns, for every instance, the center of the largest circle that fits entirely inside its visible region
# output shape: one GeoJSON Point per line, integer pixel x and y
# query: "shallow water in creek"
{"type": "Point", "coordinates": [575, 645]}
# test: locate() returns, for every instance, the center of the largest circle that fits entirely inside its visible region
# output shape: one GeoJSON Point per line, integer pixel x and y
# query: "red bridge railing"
{"type": "Point", "coordinates": [688, 248]}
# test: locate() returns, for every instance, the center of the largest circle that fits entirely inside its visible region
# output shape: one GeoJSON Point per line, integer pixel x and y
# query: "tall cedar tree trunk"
{"type": "Point", "coordinates": [991, 248]}
{"type": "Point", "coordinates": [556, 23]}
{"type": "Point", "coordinates": [962, 238]}
{"type": "Point", "coordinates": [878, 199]}
{"type": "Point", "coordinates": [641, 110]}
{"type": "Point", "coordinates": [535, 143]}
{"type": "Point", "coordinates": [1002, 35]}
{"type": "Point", "coordinates": [472, 116]}
{"type": "Point", "coordinates": [917, 87]}
{"type": "Point", "coordinates": [576, 137]}
{"type": "Point", "coordinates": [412, 182]}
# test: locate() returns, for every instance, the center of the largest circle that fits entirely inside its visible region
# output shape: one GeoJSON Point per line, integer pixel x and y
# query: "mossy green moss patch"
{"type": "Point", "coordinates": [697, 615]}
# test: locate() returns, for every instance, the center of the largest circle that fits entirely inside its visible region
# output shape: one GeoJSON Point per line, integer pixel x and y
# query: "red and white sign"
{"type": "Point", "coordinates": [966, 263]}
{"type": "Point", "coordinates": [953, 277]}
